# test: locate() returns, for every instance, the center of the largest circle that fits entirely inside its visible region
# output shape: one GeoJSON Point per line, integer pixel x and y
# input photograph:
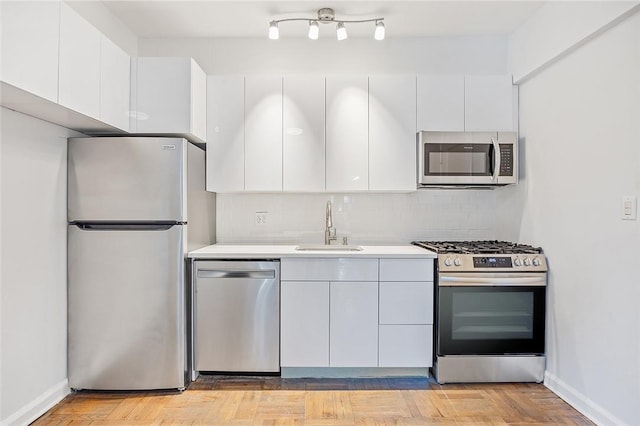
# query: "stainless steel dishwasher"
{"type": "Point", "coordinates": [237, 316]}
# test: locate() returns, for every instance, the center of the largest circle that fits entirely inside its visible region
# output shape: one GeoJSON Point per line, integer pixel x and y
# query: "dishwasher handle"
{"type": "Point", "coordinates": [267, 274]}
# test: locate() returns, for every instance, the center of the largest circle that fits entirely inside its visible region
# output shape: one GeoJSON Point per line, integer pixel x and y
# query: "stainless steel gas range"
{"type": "Point", "coordinates": [489, 311]}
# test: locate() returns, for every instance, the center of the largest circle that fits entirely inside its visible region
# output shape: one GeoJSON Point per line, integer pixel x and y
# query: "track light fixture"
{"type": "Point", "coordinates": [326, 16]}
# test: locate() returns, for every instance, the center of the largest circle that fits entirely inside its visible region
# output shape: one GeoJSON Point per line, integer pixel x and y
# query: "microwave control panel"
{"type": "Point", "coordinates": [506, 159]}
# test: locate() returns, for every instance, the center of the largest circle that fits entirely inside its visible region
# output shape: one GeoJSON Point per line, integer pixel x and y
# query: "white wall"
{"type": "Point", "coordinates": [579, 120]}
{"type": "Point", "coordinates": [33, 276]}
{"type": "Point", "coordinates": [557, 28]}
{"type": "Point", "coordinates": [437, 55]}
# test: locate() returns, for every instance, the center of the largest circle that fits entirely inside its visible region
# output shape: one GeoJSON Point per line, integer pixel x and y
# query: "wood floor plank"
{"type": "Point", "coordinates": [432, 403]}
{"type": "Point", "coordinates": [330, 406]}
{"type": "Point", "coordinates": [379, 404]}
{"type": "Point", "coordinates": [280, 405]}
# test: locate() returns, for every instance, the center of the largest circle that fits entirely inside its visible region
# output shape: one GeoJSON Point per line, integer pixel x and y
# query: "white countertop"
{"type": "Point", "coordinates": [241, 251]}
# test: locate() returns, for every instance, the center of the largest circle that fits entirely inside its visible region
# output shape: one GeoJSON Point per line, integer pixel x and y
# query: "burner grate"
{"type": "Point", "coordinates": [478, 247]}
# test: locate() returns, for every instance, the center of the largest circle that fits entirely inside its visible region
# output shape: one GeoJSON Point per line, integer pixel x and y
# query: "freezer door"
{"type": "Point", "coordinates": [126, 179]}
{"type": "Point", "coordinates": [126, 308]}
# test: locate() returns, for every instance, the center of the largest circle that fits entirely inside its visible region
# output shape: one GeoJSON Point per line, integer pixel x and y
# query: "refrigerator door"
{"type": "Point", "coordinates": [126, 315]}
{"type": "Point", "coordinates": [126, 179]}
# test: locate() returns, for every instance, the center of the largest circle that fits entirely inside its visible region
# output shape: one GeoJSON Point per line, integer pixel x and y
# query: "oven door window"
{"type": "Point", "coordinates": [491, 320]}
{"type": "Point", "coordinates": [456, 159]}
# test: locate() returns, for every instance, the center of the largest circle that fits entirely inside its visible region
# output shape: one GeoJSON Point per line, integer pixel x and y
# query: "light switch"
{"type": "Point", "coordinates": [629, 207]}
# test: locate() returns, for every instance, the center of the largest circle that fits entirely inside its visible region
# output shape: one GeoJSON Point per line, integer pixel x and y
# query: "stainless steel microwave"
{"type": "Point", "coordinates": [467, 159]}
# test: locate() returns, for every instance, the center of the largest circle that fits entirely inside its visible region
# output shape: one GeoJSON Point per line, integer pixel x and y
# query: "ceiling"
{"type": "Point", "coordinates": [206, 19]}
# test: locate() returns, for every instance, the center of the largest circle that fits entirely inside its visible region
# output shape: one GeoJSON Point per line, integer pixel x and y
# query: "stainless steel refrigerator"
{"type": "Point", "coordinates": [136, 206]}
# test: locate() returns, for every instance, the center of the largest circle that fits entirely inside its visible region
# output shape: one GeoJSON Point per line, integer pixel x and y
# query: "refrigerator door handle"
{"type": "Point", "coordinates": [126, 227]}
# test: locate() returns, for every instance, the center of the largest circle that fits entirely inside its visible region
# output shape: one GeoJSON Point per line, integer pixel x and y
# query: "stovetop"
{"type": "Point", "coordinates": [485, 256]}
{"type": "Point", "coordinates": [478, 247]}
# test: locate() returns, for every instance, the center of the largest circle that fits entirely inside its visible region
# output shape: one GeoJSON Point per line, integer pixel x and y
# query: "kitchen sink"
{"type": "Point", "coordinates": [323, 247]}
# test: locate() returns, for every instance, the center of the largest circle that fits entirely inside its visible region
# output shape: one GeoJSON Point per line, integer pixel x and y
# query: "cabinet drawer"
{"type": "Point", "coordinates": [405, 346]}
{"type": "Point", "coordinates": [406, 303]}
{"type": "Point", "coordinates": [406, 269]}
{"type": "Point", "coordinates": [323, 269]}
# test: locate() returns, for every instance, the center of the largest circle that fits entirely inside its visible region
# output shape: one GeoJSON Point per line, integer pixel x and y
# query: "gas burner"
{"type": "Point", "coordinates": [478, 247]}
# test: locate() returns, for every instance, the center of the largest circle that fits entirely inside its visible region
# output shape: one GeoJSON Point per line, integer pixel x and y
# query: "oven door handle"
{"type": "Point", "coordinates": [492, 282]}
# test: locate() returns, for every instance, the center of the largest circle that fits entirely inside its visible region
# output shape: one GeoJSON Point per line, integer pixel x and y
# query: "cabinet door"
{"type": "Point", "coordinates": [30, 32]}
{"type": "Point", "coordinates": [304, 324]}
{"type": "Point", "coordinates": [163, 101]}
{"type": "Point", "coordinates": [488, 103]}
{"type": "Point", "coordinates": [353, 324]}
{"type": "Point", "coordinates": [303, 146]}
{"type": "Point", "coordinates": [440, 102]}
{"type": "Point", "coordinates": [263, 133]}
{"type": "Point", "coordinates": [79, 80]}
{"type": "Point", "coordinates": [406, 346]}
{"type": "Point", "coordinates": [115, 76]}
{"type": "Point", "coordinates": [225, 133]}
{"type": "Point", "coordinates": [347, 133]}
{"type": "Point", "coordinates": [198, 101]}
{"type": "Point", "coordinates": [392, 133]}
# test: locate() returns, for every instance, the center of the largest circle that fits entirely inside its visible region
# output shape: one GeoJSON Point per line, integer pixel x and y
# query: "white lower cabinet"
{"type": "Point", "coordinates": [304, 324]}
{"type": "Point", "coordinates": [406, 313]}
{"type": "Point", "coordinates": [406, 303]}
{"type": "Point", "coordinates": [337, 312]}
{"type": "Point", "coordinates": [406, 345]}
{"type": "Point", "coordinates": [353, 334]}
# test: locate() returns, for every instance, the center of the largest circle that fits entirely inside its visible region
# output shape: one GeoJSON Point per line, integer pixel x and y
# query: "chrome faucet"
{"type": "Point", "coordinates": [329, 231]}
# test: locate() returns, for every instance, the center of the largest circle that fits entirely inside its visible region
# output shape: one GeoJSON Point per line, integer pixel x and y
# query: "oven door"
{"type": "Point", "coordinates": [491, 314]}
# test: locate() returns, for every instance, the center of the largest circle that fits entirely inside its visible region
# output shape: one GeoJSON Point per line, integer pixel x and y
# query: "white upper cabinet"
{"type": "Point", "coordinates": [263, 133]}
{"type": "Point", "coordinates": [347, 133]}
{"type": "Point", "coordinates": [440, 102]}
{"type": "Point", "coordinates": [29, 34]}
{"type": "Point", "coordinates": [392, 133]}
{"type": "Point", "coordinates": [488, 103]}
{"type": "Point", "coordinates": [115, 76]}
{"type": "Point", "coordinates": [170, 98]}
{"type": "Point", "coordinates": [303, 155]}
{"type": "Point", "coordinates": [79, 78]}
{"type": "Point", "coordinates": [471, 103]}
{"type": "Point", "coordinates": [225, 133]}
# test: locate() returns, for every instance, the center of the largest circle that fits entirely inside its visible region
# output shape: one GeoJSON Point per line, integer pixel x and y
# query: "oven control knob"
{"type": "Point", "coordinates": [526, 261]}
{"type": "Point", "coordinates": [447, 262]}
{"type": "Point", "coordinates": [517, 261]}
{"type": "Point", "coordinates": [536, 261]}
{"type": "Point", "coordinates": [457, 261]}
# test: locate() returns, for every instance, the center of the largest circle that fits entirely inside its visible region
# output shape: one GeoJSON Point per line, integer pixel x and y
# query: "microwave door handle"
{"type": "Point", "coordinates": [496, 163]}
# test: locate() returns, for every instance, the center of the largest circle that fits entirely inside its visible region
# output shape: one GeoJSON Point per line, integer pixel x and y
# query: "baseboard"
{"type": "Point", "coordinates": [39, 405]}
{"type": "Point", "coordinates": [580, 402]}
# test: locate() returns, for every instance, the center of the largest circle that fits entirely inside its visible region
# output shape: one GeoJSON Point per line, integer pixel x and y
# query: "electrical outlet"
{"type": "Point", "coordinates": [261, 218]}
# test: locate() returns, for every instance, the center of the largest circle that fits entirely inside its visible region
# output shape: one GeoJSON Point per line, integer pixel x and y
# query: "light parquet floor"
{"type": "Point", "coordinates": [222, 400]}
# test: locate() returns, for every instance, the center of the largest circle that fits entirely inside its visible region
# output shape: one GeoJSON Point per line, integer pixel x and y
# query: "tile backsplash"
{"type": "Point", "coordinates": [363, 218]}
